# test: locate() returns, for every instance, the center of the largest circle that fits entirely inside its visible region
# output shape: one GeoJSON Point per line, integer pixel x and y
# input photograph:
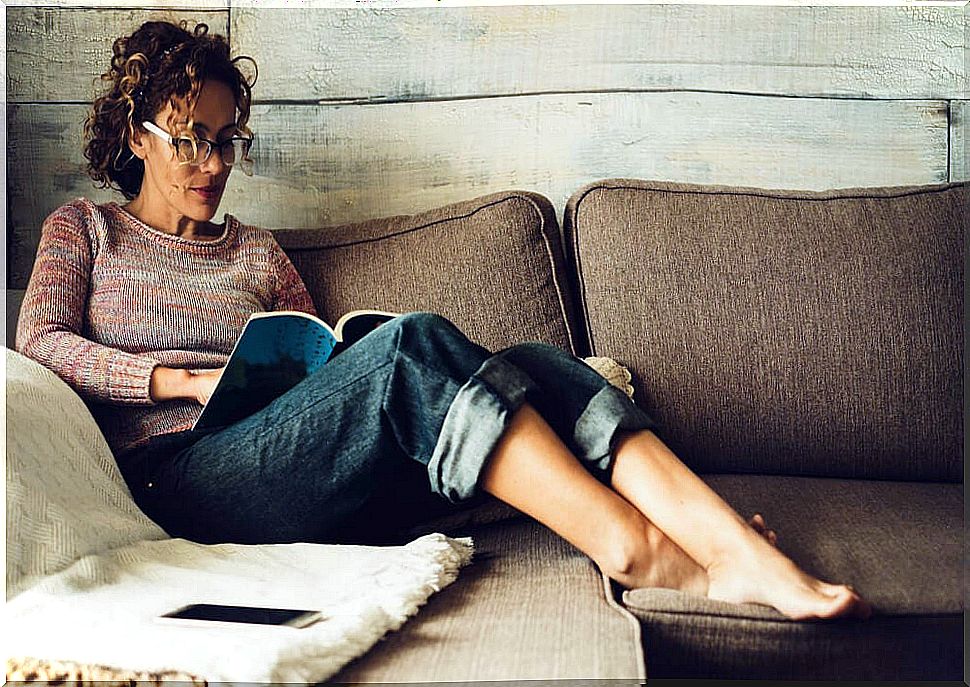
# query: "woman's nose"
{"type": "Point", "coordinates": [213, 163]}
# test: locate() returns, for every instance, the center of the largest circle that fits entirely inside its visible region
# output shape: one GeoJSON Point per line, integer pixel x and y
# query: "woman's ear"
{"type": "Point", "coordinates": [138, 143]}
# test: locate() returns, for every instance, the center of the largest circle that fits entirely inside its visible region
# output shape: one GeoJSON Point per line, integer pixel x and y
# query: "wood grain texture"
{"type": "Point", "coordinates": [320, 165]}
{"type": "Point", "coordinates": [381, 54]}
{"type": "Point", "coordinates": [59, 54]}
{"type": "Point", "coordinates": [959, 140]}
{"type": "Point", "coordinates": [122, 4]}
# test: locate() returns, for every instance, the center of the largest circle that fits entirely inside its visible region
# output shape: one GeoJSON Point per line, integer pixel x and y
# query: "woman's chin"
{"type": "Point", "coordinates": [202, 211]}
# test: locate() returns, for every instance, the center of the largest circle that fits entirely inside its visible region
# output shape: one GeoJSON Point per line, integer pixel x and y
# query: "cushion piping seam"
{"type": "Point", "coordinates": [544, 230]}
{"type": "Point", "coordinates": [768, 193]}
{"type": "Point", "coordinates": [780, 621]}
{"type": "Point", "coordinates": [577, 259]}
{"type": "Point", "coordinates": [402, 232]}
{"type": "Point", "coordinates": [632, 620]}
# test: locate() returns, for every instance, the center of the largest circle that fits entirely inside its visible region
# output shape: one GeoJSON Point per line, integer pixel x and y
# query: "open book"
{"type": "Point", "coordinates": [274, 353]}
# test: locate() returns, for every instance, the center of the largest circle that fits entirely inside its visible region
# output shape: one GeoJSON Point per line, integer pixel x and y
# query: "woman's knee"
{"type": "Point", "coordinates": [424, 322]}
{"type": "Point", "coordinates": [544, 360]}
{"type": "Point", "coordinates": [438, 343]}
{"type": "Point", "coordinates": [539, 350]}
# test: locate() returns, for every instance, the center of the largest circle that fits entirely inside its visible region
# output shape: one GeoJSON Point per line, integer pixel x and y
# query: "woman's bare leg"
{"type": "Point", "coordinates": [742, 566]}
{"type": "Point", "coordinates": [711, 549]}
{"type": "Point", "coordinates": [532, 470]}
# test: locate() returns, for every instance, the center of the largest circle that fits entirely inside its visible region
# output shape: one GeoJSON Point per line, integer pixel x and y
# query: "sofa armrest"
{"type": "Point", "coordinates": [65, 495]}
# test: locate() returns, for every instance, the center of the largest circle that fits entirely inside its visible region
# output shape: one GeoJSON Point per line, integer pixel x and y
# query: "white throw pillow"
{"type": "Point", "coordinates": [65, 495]}
{"type": "Point", "coordinates": [616, 374]}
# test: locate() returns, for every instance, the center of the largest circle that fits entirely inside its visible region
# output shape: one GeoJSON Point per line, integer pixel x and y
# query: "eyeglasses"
{"type": "Point", "coordinates": [195, 152]}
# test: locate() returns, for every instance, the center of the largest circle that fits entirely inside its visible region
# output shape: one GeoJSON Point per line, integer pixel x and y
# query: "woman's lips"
{"type": "Point", "coordinates": [208, 193]}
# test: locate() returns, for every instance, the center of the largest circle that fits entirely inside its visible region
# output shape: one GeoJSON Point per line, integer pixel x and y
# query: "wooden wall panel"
{"type": "Point", "coordinates": [123, 4]}
{"type": "Point", "coordinates": [424, 106]}
{"type": "Point", "coordinates": [59, 55]}
{"type": "Point", "coordinates": [321, 165]}
{"type": "Point", "coordinates": [44, 144]}
{"type": "Point", "coordinates": [332, 164]}
{"type": "Point", "coordinates": [446, 52]}
{"type": "Point", "coordinates": [960, 140]}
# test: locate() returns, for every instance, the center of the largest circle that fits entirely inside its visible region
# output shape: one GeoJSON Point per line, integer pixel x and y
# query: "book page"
{"type": "Point", "coordinates": [357, 324]}
{"type": "Point", "coordinates": [274, 353]}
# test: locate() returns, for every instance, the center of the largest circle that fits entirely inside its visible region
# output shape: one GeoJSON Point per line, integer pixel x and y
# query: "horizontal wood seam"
{"type": "Point", "coordinates": [377, 100]}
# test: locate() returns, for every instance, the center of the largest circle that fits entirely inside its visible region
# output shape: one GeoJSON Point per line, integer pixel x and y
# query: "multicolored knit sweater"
{"type": "Point", "coordinates": [110, 298]}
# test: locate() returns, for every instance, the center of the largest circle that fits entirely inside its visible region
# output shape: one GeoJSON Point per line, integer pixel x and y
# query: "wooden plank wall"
{"type": "Point", "coordinates": [364, 112]}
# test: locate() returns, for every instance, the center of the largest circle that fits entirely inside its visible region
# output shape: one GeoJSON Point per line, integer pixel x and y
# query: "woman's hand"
{"type": "Point", "coordinates": [170, 383]}
{"type": "Point", "coordinates": [204, 383]}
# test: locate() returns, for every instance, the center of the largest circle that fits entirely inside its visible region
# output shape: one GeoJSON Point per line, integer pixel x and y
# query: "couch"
{"type": "Point", "coordinates": [802, 351]}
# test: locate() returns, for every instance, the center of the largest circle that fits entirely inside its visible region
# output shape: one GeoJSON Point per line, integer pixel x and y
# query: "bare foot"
{"type": "Point", "coordinates": [761, 527]}
{"type": "Point", "coordinates": [664, 564]}
{"type": "Point", "coordinates": [763, 575]}
{"type": "Point", "coordinates": [659, 562]}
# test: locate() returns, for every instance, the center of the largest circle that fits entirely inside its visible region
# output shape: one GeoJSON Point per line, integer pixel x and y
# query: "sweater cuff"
{"type": "Point", "coordinates": [129, 380]}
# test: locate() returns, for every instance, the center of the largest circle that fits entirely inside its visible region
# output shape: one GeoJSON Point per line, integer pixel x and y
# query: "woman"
{"type": "Point", "coordinates": [137, 307]}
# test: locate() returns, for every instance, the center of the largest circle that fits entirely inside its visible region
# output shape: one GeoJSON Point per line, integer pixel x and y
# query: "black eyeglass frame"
{"type": "Point", "coordinates": [245, 162]}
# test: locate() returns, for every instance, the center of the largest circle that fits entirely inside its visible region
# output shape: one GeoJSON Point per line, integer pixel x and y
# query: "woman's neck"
{"type": "Point", "coordinates": [177, 225]}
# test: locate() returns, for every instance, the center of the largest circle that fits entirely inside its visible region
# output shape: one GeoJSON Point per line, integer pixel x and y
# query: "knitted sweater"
{"type": "Point", "coordinates": [110, 298]}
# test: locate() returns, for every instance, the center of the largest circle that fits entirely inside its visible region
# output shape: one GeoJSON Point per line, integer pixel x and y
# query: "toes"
{"type": "Point", "coordinates": [836, 604]}
{"type": "Point", "coordinates": [840, 606]}
{"type": "Point", "coordinates": [760, 526]}
{"type": "Point", "coordinates": [853, 606]}
{"type": "Point", "coordinates": [861, 608]}
{"type": "Point", "coordinates": [847, 602]}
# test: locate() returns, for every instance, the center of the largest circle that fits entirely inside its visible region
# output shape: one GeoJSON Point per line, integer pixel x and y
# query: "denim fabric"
{"type": "Point", "coordinates": [584, 410]}
{"type": "Point", "coordinates": [394, 430]}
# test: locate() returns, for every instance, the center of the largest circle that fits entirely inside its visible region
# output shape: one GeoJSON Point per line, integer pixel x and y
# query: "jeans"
{"type": "Point", "coordinates": [395, 429]}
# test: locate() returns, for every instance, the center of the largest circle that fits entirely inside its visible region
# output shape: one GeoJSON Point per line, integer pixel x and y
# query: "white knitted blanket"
{"type": "Point", "coordinates": [87, 572]}
{"type": "Point", "coordinates": [102, 609]}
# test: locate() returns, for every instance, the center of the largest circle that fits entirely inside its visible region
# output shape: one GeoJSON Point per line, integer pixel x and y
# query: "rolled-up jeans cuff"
{"type": "Point", "coordinates": [475, 421]}
{"type": "Point", "coordinates": [608, 412]}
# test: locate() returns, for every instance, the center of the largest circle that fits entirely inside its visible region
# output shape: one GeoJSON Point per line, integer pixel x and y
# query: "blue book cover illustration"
{"type": "Point", "coordinates": [275, 352]}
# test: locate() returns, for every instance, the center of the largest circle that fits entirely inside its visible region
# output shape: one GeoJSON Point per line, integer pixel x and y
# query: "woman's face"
{"type": "Point", "coordinates": [181, 189]}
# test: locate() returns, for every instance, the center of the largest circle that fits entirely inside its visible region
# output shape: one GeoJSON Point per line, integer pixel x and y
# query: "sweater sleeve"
{"type": "Point", "coordinates": [291, 293]}
{"type": "Point", "coordinates": [51, 318]}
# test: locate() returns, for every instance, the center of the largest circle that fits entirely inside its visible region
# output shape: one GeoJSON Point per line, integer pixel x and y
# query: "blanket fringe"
{"type": "Point", "coordinates": [69, 674]}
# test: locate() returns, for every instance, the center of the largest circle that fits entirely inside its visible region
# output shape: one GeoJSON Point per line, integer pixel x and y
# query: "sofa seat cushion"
{"type": "Point", "coordinates": [493, 265]}
{"type": "Point", "coordinates": [900, 544]}
{"type": "Point", "coordinates": [783, 332]}
{"type": "Point", "coordinates": [529, 607]}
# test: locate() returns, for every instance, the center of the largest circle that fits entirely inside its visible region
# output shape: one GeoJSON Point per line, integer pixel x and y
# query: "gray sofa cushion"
{"type": "Point", "coordinates": [529, 607]}
{"type": "Point", "coordinates": [783, 332]}
{"type": "Point", "coordinates": [493, 265]}
{"type": "Point", "coordinates": [900, 544]}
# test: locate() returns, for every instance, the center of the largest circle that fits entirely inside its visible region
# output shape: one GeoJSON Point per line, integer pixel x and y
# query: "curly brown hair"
{"type": "Point", "coordinates": [160, 62]}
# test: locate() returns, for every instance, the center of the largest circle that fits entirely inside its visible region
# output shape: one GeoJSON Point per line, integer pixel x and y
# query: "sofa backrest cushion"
{"type": "Point", "coordinates": [492, 265]}
{"type": "Point", "coordinates": [812, 333]}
